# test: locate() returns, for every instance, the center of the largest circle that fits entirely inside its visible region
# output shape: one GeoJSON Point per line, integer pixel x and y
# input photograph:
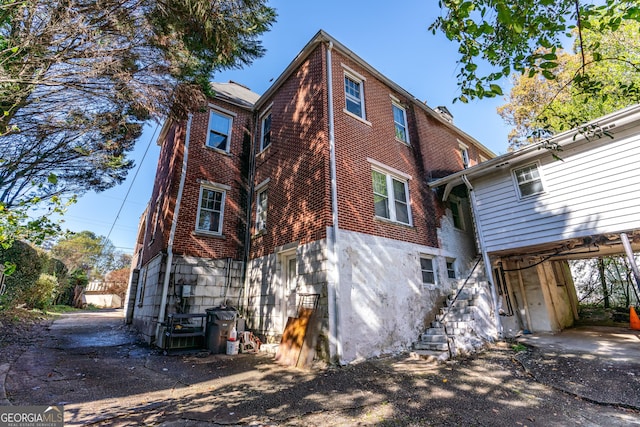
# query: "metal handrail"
{"type": "Point", "coordinates": [460, 290]}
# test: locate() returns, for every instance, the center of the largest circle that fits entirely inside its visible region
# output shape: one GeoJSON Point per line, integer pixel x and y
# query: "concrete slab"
{"type": "Point", "coordinates": [596, 363]}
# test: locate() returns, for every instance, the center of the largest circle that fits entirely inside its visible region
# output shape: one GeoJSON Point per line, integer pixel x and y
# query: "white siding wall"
{"type": "Point", "coordinates": [594, 190]}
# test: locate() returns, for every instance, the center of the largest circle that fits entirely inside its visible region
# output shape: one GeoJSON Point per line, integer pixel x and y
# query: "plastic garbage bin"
{"type": "Point", "coordinates": [220, 322]}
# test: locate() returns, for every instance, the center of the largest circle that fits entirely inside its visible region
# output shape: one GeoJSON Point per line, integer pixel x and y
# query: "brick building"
{"type": "Point", "coordinates": [317, 187]}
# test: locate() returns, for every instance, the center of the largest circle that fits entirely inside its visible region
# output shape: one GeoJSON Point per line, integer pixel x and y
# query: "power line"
{"type": "Point", "coordinates": [132, 181]}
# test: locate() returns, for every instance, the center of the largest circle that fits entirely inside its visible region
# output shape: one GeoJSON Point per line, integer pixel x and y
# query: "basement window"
{"type": "Point", "coordinates": [428, 272]}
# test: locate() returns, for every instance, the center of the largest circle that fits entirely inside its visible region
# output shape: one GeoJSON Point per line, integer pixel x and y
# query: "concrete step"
{"type": "Point", "coordinates": [435, 331]}
{"type": "Point", "coordinates": [429, 355]}
{"type": "Point", "coordinates": [457, 331]}
{"type": "Point", "coordinates": [433, 338]}
{"type": "Point", "coordinates": [457, 325]}
{"type": "Point", "coordinates": [433, 346]}
{"type": "Point", "coordinates": [455, 317]}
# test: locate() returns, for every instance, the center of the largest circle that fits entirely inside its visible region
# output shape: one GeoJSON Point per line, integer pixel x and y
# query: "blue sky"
{"type": "Point", "coordinates": [393, 37]}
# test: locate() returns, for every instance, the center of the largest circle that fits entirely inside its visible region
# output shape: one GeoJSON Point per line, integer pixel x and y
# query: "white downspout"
{"type": "Point", "coordinates": [174, 223]}
{"type": "Point", "coordinates": [485, 256]}
{"type": "Point", "coordinates": [335, 340]}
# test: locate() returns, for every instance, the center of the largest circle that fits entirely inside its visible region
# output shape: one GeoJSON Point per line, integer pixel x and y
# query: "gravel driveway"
{"type": "Point", "coordinates": [95, 366]}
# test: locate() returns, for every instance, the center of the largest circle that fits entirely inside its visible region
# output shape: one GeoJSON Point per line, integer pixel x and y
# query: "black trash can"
{"type": "Point", "coordinates": [220, 322]}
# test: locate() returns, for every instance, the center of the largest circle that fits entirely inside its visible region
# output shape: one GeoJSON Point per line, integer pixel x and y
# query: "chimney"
{"type": "Point", "coordinates": [445, 113]}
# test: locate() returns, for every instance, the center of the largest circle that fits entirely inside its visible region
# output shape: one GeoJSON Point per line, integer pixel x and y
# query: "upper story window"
{"type": "Point", "coordinates": [354, 95]}
{"type": "Point", "coordinates": [464, 154]}
{"type": "Point", "coordinates": [210, 210]}
{"type": "Point", "coordinates": [528, 180]}
{"type": "Point", "coordinates": [391, 197]}
{"type": "Point", "coordinates": [265, 138]}
{"type": "Point", "coordinates": [261, 210]}
{"type": "Point", "coordinates": [400, 121]}
{"type": "Point", "coordinates": [219, 135]}
{"type": "Point", "coordinates": [456, 212]}
{"type": "Point", "coordinates": [428, 271]}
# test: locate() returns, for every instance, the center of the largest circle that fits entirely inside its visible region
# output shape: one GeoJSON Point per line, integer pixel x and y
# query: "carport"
{"type": "Point", "coordinates": [532, 213]}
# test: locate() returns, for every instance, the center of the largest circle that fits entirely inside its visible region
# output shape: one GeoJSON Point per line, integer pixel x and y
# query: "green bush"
{"type": "Point", "coordinates": [42, 294]}
{"type": "Point", "coordinates": [29, 264]}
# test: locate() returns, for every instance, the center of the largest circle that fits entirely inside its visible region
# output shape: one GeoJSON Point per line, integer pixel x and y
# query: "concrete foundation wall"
{"type": "Point", "coordinates": [270, 301]}
{"type": "Point", "coordinates": [383, 305]}
{"type": "Point", "coordinates": [147, 299]}
{"type": "Point", "coordinates": [195, 284]}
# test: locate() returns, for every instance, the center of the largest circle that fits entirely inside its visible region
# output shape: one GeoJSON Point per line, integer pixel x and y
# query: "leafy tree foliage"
{"type": "Point", "coordinates": [27, 263]}
{"type": "Point", "coordinates": [537, 106]}
{"type": "Point", "coordinates": [95, 255]}
{"type": "Point", "coordinates": [499, 37]}
{"type": "Point", "coordinates": [79, 77]}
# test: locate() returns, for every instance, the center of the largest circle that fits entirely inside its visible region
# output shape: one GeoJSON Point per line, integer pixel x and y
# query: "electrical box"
{"type": "Point", "coordinates": [186, 291]}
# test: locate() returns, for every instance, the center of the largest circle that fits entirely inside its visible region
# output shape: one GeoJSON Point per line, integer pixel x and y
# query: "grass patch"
{"type": "Point", "coordinates": [518, 347]}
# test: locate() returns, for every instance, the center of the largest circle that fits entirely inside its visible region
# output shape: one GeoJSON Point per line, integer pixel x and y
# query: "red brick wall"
{"type": "Point", "coordinates": [296, 161]}
{"type": "Point", "coordinates": [357, 141]}
{"type": "Point", "coordinates": [165, 183]}
{"type": "Point", "coordinates": [204, 164]}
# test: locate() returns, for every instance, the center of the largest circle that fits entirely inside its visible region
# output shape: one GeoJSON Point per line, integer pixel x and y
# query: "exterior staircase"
{"type": "Point", "coordinates": [454, 330]}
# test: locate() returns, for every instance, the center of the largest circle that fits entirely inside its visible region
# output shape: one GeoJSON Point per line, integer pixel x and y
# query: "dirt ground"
{"type": "Point", "coordinates": [95, 366]}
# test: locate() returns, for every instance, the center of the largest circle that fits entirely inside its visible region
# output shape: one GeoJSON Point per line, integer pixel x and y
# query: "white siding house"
{"type": "Point", "coordinates": [532, 212]}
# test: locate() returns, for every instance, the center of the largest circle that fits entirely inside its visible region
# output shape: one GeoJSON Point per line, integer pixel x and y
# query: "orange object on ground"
{"type": "Point", "coordinates": [634, 320]}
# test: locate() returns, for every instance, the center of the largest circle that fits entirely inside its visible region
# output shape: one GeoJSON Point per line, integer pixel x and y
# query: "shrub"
{"type": "Point", "coordinates": [29, 264]}
{"type": "Point", "coordinates": [42, 294]}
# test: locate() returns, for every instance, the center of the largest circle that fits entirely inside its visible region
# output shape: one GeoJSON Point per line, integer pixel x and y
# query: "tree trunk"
{"type": "Point", "coordinates": [603, 282]}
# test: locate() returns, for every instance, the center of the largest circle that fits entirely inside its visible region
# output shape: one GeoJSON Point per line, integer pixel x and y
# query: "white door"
{"type": "Point", "coordinates": [290, 272]}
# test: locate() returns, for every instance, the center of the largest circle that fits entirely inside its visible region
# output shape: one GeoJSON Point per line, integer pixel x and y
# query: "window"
{"type": "Point", "coordinates": [265, 140]}
{"type": "Point", "coordinates": [261, 211]}
{"type": "Point", "coordinates": [428, 273]}
{"type": "Point", "coordinates": [451, 270]}
{"type": "Point", "coordinates": [528, 180]}
{"type": "Point", "coordinates": [354, 96]}
{"type": "Point", "coordinates": [456, 213]}
{"type": "Point", "coordinates": [391, 197]}
{"type": "Point", "coordinates": [400, 120]}
{"type": "Point", "coordinates": [464, 154]}
{"type": "Point", "coordinates": [219, 131]}
{"type": "Point", "coordinates": [210, 210]}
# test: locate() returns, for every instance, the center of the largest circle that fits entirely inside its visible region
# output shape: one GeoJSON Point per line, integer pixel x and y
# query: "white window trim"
{"type": "Point", "coordinates": [391, 173]}
{"type": "Point", "coordinates": [263, 116]}
{"type": "Point", "coordinates": [434, 269]}
{"type": "Point", "coordinates": [454, 268]}
{"type": "Point", "coordinates": [398, 105]}
{"type": "Point", "coordinates": [215, 187]}
{"type": "Point", "coordinates": [260, 191]}
{"type": "Point", "coordinates": [353, 75]}
{"type": "Point", "coordinates": [455, 200]}
{"type": "Point", "coordinates": [464, 153]}
{"type": "Point", "coordinates": [221, 112]}
{"type": "Point", "coordinates": [514, 178]}
{"type": "Point", "coordinates": [388, 169]}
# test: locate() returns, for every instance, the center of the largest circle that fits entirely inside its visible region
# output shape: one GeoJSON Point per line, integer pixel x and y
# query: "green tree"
{"type": "Point", "coordinates": [498, 37]}
{"type": "Point", "coordinates": [95, 255]}
{"type": "Point", "coordinates": [537, 107]}
{"type": "Point", "coordinates": [78, 78]}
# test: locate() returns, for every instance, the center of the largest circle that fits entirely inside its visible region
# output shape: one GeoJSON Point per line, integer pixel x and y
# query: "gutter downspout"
{"type": "Point", "coordinates": [250, 195]}
{"type": "Point", "coordinates": [485, 256]}
{"type": "Point", "coordinates": [335, 340]}
{"type": "Point", "coordinates": [174, 223]}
